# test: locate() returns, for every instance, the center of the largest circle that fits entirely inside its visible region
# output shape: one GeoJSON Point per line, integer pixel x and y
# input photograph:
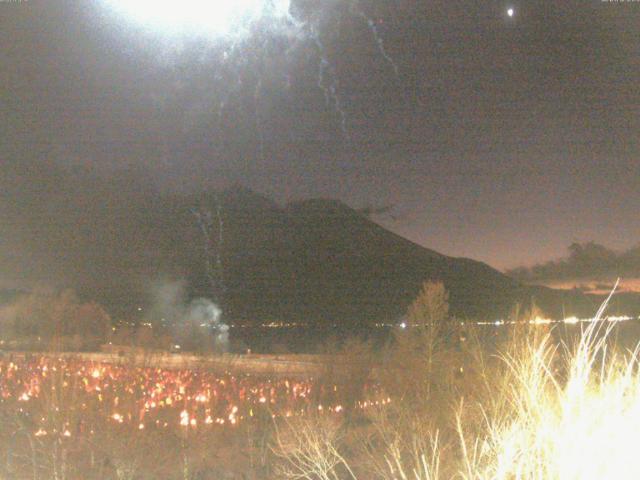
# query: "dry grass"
{"type": "Point", "coordinates": [535, 408]}
{"type": "Point", "coordinates": [570, 413]}
{"type": "Point", "coordinates": [474, 404]}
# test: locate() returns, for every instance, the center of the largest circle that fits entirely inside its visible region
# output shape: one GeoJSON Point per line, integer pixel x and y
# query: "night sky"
{"type": "Point", "coordinates": [500, 138]}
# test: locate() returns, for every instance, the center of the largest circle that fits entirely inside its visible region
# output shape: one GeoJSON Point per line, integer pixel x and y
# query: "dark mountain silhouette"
{"type": "Point", "coordinates": [321, 262]}
{"type": "Point", "coordinates": [314, 261]}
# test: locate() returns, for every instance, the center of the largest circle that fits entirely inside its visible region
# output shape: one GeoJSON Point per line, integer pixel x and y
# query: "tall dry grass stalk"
{"type": "Point", "coordinates": [311, 450]}
{"type": "Point", "coordinates": [571, 412]}
{"type": "Point", "coordinates": [541, 409]}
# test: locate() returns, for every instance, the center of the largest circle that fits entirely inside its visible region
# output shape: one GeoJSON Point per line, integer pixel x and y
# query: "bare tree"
{"type": "Point", "coordinates": [429, 313]}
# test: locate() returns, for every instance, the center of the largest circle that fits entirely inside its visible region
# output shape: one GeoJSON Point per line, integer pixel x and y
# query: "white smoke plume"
{"type": "Point", "coordinates": [197, 319]}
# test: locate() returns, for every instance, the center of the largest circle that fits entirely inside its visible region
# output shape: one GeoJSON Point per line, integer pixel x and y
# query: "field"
{"type": "Point", "coordinates": [74, 403]}
{"type": "Point", "coordinates": [509, 402]}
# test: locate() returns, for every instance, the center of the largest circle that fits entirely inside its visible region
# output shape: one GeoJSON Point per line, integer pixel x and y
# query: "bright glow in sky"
{"type": "Point", "coordinates": [510, 12]}
{"type": "Point", "coordinates": [212, 17]}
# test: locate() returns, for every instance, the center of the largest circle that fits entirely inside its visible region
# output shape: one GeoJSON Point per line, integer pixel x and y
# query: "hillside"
{"type": "Point", "coordinates": [313, 261]}
{"type": "Point", "coordinates": [321, 262]}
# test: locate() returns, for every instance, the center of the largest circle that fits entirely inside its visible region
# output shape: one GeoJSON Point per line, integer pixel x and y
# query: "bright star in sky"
{"type": "Point", "coordinates": [510, 12]}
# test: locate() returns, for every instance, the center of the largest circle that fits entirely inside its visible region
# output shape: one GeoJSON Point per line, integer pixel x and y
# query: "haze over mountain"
{"type": "Point", "coordinates": [313, 261]}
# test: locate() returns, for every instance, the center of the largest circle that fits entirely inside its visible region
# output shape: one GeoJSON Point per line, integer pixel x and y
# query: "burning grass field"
{"type": "Point", "coordinates": [53, 405]}
{"type": "Point", "coordinates": [511, 402]}
{"type": "Point", "coordinates": [156, 397]}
